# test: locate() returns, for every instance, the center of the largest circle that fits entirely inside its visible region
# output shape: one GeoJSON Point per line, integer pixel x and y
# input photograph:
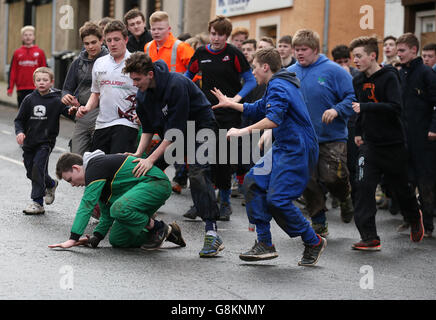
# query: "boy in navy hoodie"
{"type": "Point", "coordinates": [36, 129]}
{"type": "Point", "coordinates": [381, 141]}
{"type": "Point", "coordinates": [282, 174]}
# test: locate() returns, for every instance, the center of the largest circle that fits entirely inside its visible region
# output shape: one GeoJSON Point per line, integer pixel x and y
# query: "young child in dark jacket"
{"type": "Point", "coordinates": [381, 141]}
{"type": "Point", "coordinates": [36, 129]}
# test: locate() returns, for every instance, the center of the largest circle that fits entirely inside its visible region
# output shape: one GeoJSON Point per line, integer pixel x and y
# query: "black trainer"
{"type": "Point", "coordinates": [176, 235]}
{"type": "Point", "coordinates": [157, 237]}
{"type": "Point", "coordinates": [191, 213]}
{"type": "Point", "coordinates": [225, 211]}
{"type": "Point", "coordinates": [260, 251]}
{"type": "Point", "coordinates": [311, 254]}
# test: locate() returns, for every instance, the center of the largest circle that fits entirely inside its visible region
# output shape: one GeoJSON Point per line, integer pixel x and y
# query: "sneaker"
{"type": "Point", "coordinates": [225, 212]}
{"type": "Point", "coordinates": [157, 237]}
{"type": "Point", "coordinates": [34, 208]}
{"type": "Point", "coordinates": [367, 245]}
{"type": "Point", "coordinates": [50, 193]}
{"type": "Point", "coordinates": [176, 235]}
{"type": "Point", "coordinates": [417, 229]}
{"type": "Point", "coordinates": [191, 213]}
{"type": "Point", "coordinates": [311, 254]}
{"type": "Point", "coordinates": [347, 210]}
{"type": "Point", "coordinates": [260, 251]}
{"type": "Point", "coordinates": [212, 246]}
{"type": "Point", "coordinates": [321, 229]}
{"type": "Point", "coordinates": [177, 187]}
{"type": "Point", "coordinates": [403, 227]}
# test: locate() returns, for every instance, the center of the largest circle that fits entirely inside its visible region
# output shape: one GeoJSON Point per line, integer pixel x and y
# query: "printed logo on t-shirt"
{"type": "Point", "coordinates": [226, 58]}
{"type": "Point", "coordinates": [165, 110]}
{"type": "Point", "coordinates": [39, 112]}
{"type": "Point", "coordinates": [36, 54]}
{"type": "Point", "coordinates": [321, 81]}
{"type": "Point", "coordinates": [205, 61]}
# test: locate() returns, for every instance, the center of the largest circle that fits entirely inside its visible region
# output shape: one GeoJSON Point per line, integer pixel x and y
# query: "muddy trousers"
{"type": "Point", "coordinates": [131, 213]}
{"type": "Point", "coordinates": [270, 188]}
{"type": "Point", "coordinates": [373, 162]}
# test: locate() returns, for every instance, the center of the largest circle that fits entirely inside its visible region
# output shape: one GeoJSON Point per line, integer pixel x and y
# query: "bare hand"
{"type": "Point", "coordinates": [65, 245]}
{"type": "Point", "coordinates": [265, 139]}
{"type": "Point", "coordinates": [72, 110]}
{"type": "Point", "coordinates": [358, 140]}
{"type": "Point", "coordinates": [9, 94]}
{"type": "Point", "coordinates": [329, 115]}
{"type": "Point", "coordinates": [81, 112]}
{"type": "Point", "coordinates": [143, 166]}
{"type": "Point", "coordinates": [20, 138]}
{"type": "Point", "coordinates": [223, 100]}
{"type": "Point", "coordinates": [356, 107]}
{"type": "Point", "coordinates": [70, 100]}
{"type": "Point", "coordinates": [233, 132]}
{"type": "Point", "coordinates": [432, 136]}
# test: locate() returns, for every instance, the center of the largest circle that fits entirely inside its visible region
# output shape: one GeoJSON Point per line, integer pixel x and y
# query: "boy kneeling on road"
{"type": "Point", "coordinates": [127, 203]}
{"type": "Point", "coordinates": [282, 174]}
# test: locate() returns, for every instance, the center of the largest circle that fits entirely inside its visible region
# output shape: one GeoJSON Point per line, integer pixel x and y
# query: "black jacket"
{"type": "Point", "coordinates": [174, 101]}
{"type": "Point", "coordinates": [134, 45]}
{"type": "Point", "coordinates": [379, 121]}
{"type": "Point", "coordinates": [419, 115]}
{"type": "Point", "coordinates": [38, 118]}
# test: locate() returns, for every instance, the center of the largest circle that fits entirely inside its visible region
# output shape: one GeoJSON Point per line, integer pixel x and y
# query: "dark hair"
{"type": "Point", "coordinates": [410, 40]}
{"type": "Point", "coordinates": [286, 39]}
{"type": "Point", "coordinates": [389, 38]}
{"type": "Point", "coordinates": [132, 14]}
{"type": "Point", "coordinates": [222, 25]}
{"type": "Point", "coordinates": [252, 41]}
{"type": "Point", "coordinates": [138, 62]}
{"type": "Point", "coordinates": [116, 25]}
{"type": "Point", "coordinates": [369, 44]}
{"type": "Point", "coordinates": [341, 52]}
{"type": "Point", "coordinates": [269, 40]}
{"type": "Point", "coordinates": [184, 36]}
{"type": "Point", "coordinates": [429, 47]}
{"type": "Point", "coordinates": [66, 162]}
{"type": "Point", "coordinates": [90, 29]}
{"type": "Point", "coordinates": [271, 57]}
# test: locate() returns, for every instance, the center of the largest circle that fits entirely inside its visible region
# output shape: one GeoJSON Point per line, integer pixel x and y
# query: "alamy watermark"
{"type": "Point", "coordinates": [66, 281]}
{"type": "Point", "coordinates": [367, 281]}
{"type": "Point", "coordinates": [367, 20]}
{"type": "Point", "coordinates": [66, 21]}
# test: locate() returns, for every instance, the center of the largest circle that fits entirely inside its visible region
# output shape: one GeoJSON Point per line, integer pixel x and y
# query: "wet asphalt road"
{"type": "Point", "coordinates": [30, 270]}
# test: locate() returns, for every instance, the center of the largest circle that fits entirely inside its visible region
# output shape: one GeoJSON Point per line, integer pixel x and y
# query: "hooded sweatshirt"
{"type": "Point", "coordinates": [379, 121]}
{"type": "Point", "coordinates": [38, 118]}
{"type": "Point", "coordinates": [326, 85]}
{"type": "Point", "coordinates": [24, 62]}
{"type": "Point", "coordinates": [174, 101]}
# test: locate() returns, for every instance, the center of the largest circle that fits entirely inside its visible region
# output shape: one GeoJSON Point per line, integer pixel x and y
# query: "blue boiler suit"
{"type": "Point", "coordinates": [282, 174]}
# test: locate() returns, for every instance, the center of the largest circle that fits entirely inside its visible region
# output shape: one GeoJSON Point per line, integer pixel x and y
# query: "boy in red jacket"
{"type": "Point", "coordinates": [24, 62]}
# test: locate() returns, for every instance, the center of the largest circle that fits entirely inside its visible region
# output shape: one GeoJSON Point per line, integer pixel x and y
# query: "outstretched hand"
{"type": "Point", "coordinates": [71, 243]}
{"type": "Point", "coordinates": [223, 100]}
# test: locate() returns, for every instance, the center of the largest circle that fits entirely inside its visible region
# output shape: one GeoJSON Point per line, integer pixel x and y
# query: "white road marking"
{"type": "Point", "coordinates": [7, 132]}
{"type": "Point", "coordinates": [11, 160]}
{"type": "Point", "coordinates": [61, 149]}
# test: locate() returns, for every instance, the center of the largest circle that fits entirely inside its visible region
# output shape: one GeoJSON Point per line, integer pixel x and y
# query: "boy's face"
{"type": "Point", "coordinates": [142, 81]}
{"type": "Point", "coordinates": [43, 82]}
{"type": "Point", "coordinates": [284, 49]}
{"type": "Point", "coordinates": [344, 62]}
{"type": "Point", "coordinates": [405, 53]}
{"type": "Point", "coordinates": [28, 38]}
{"type": "Point", "coordinates": [136, 26]}
{"type": "Point", "coordinates": [429, 57]}
{"type": "Point", "coordinates": [116, 43]}
{"type": "Point", "coordinates": [264, 45]}
{"type": "Point", "coordinates": [248, 51]}
{"type": "Point", "coordinates": [217, 41]}
{"type": "Point", "coordinates": [390, 48]}
{"type": "Point", "coordinates": [260, 72]}
{"type": "Point", "coordinates": [75, 177]}
{"type": "Point", "coordinates": [160, 30]}
{"type": "Point", "coordinates": [92, 45]}
{"type": "Point", "coordinates": [305, 55]}
{"type": "Point", "coordinates": [238, 39]}
{"type": "Point", "coordinates": [362, 60]}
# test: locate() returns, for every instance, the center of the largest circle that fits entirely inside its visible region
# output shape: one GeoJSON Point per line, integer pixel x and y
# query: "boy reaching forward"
{"type": "Point", "coordinates": [380, 137]}
{"type": "Point", "coordinates": [270, 193]}
{"type": "Point", "coordinates": [36, 128]}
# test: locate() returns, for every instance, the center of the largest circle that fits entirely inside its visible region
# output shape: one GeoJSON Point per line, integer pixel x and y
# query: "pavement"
{"type": "Point", "coordinates": [4, 98]}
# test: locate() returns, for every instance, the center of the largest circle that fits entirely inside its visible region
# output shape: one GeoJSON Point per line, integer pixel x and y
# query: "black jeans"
{"type": "Point", "coordinates": [36, 164]}
{"type": "Point", "coordinates": [115, 139]}
{"type": "Point", "coordinates": [373, 162]}
{"type": "Point", "coordinates": [21, 94]}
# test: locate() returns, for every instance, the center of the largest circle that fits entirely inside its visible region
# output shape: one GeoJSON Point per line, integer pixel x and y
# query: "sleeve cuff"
{"type": "Point", "coordinates": [98, 235]}
{"type": "Point", "coordinates": [74, 236]}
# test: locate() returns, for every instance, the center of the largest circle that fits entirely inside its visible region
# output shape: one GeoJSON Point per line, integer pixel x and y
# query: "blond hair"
{"type": "Point", "coordinates": [44, 70]}
{"type": "Point", "coordinates": [27, 28]}
{"type": "Point", "coordinates": [306, 37]}
{"type": "Point", "coordinates": [159, 16]}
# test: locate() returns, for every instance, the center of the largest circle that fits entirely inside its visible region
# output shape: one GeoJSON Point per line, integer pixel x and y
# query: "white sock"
{"type": "Point", "coordinates": [211, 233]}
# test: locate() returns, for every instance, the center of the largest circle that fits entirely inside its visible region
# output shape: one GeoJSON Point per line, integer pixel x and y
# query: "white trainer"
{"type": "Point", "coordinates": [34, 208]}
{"type": "Point", "coordinates": [50, 193]}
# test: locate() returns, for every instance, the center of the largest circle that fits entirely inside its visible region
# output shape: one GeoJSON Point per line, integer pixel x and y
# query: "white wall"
{"type": "Point", "coordinates": [394, 18]}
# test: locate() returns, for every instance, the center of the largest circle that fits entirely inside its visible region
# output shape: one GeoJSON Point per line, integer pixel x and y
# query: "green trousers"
{"type": "Point", "coordinates": [132, 211]}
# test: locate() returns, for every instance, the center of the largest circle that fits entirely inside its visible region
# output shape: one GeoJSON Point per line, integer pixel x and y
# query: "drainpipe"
{"type": "Point", "coordinates": [326, 26]}
{"type": "Point", "coordinates": [53, 34]}
{"type": "Point", "coordinates": [6, 62]}
{"type": "Point", "coordinates": [181, 16]}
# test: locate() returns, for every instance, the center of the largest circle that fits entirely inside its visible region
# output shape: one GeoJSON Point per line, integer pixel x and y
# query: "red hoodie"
{"type": "Point", "coordinates": [24, 62]}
